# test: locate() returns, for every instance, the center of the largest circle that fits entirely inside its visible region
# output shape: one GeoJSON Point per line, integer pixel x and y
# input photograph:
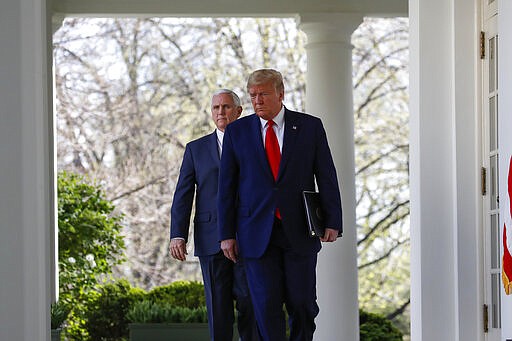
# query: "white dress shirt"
{"type": "Point", "coordinates": [278, 128]}
{"type": "Point", "coordinates": [220, 138]}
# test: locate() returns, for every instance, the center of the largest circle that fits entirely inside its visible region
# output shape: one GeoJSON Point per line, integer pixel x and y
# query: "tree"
{"type": "Point", "coordinates": [380, 59]}
{"type": "Point", "coordinates": [90, 243]}
{"type": "Point", "coordinates": [132, 92]}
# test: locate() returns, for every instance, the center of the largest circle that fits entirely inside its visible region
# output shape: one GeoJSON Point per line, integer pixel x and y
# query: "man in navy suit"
{"type": "Point", "coordinates": [223, 280]}
{"type": "Point", "coordinates": [260, 206]}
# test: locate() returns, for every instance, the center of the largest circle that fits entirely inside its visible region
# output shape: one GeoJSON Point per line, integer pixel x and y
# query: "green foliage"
{"type": "Point", "coordinates": [374, 327]}
{"type": "Point", "coordinates": [59, 312]}
{"type": "Point", "coordinates": [109, 308]}
{"type": "Point", "coordinates": [90, 244]}
{"type": "Point", "coordinates": [76, 326]}
{"type": "Point", "coordinates": [181, 293]}
{"type": "Point", "coordinates": [90, 240]}
{"type": "Point", "coordinates": [106, 314]}
{"type": "Point", "coordinates": [164, 312]}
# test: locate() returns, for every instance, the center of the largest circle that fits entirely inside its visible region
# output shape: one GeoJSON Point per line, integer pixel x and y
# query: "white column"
{"type": "Point", "coordinates": [329, 96]}
{"type": "Point", "coordinates": [444, 163]}
{"type": "Point", "coordinates": [25, 172]}
{"type": "Point", "coordinates": [56, 22]}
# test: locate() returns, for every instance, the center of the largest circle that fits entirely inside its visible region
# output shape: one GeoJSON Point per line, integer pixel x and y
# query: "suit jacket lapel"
{"type": "Point", "coordinates": [259, 147]}
{"type": "Point", "coordinates": [213, 147]}
{"type": "Point", "coordinates": [291, 131]}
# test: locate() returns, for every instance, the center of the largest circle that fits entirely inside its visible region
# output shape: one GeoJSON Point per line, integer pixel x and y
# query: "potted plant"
{"type": "Point", "coordinates": [59, 312]}
{"type": "Point", "coordinates": [162, 321]}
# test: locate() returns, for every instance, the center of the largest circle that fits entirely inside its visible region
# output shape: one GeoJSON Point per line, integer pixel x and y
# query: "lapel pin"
{"type": "Point", "coordinates": [294, 127]}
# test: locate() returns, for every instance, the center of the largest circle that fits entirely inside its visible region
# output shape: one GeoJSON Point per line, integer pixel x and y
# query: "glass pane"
{"type": "Point", "coordinates": [492, 78]}
{"type": "Point", "coordinates": [493, 182]}
{"type": "Point", "coordinates": [495, 242]}
{"type": "Point", "coordinates": [496, 116]}
{"type": "Point", "coordinates": [497, 184]}
{"type": "Point", "coordinates": [495, 309]}
{"type": "Point", "coordinates": [497, 65]}
{"type": "Point", "coordinates": [492, 124]}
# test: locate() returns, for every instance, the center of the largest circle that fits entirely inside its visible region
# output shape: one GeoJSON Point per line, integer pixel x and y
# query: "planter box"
{"type": "Point", "coordinates": [169, 331]}
{"type": "Point", "coordinates": [172, 331]}
{"type": "Point", "coordinates": [56, 334]}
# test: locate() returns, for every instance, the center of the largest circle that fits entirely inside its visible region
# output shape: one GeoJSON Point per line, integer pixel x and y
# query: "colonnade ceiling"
{"type": "Point", "coordinates": [240, 8]}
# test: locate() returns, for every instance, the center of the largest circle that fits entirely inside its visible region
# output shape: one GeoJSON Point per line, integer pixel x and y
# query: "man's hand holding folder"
{"type": "Point", "coordinates": [315, 218]}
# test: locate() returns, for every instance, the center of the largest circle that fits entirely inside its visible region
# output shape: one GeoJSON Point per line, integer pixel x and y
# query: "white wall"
{"type": "Point", "coordinates": [25, 192]}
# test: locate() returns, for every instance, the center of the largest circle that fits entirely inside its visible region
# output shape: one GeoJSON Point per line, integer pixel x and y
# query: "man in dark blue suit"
{"type": "Point", "coordinates": [223, 280]}
{"type": "Point", "coordinates": [260, 206]}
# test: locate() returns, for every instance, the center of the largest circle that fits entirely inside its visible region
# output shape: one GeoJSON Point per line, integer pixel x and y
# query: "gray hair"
{"type": "Point", "coordinates": [236, 99]}
{"type": "Point", "coordinates": [263, 76]}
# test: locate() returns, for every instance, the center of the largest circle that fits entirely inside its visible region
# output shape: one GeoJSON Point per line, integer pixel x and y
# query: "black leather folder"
{"type": "Point", "coordinates": [314, 214]}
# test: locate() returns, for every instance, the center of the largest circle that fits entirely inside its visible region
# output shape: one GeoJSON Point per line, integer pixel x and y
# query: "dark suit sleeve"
{"type": "Point", "coordinates": [183, 197]}
{"type": "Point", "coordinates": [228, 181]}
{"type": "Point", "coordinates": [327, 181]}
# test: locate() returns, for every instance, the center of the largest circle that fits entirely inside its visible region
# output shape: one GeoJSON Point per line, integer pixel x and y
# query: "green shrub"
{"type": "Point", "coordinates": [374, 327]}
{"type": "Point", "coordinates": [104, 313]}
{"type": "Point", "coordinates": [90, 243]}
{"type": "Point", "coordinates": [113, 306]}
{"type": "Point", "coordinates": [181, 294]}
{"type": "Point", "coordinates": [90, 240]}
{"type": "Point", "coordinates": [162, 312]}
{"type": "Point", "coordinates": [75, 328]}
{"type": "Point", "coordinates": [105, 317]}
{"type": "Point", "coordinates": [59, 312]}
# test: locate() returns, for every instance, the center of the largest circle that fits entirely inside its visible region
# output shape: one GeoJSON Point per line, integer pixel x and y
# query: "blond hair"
{"type": "Point", "coordinates": [263, 76]}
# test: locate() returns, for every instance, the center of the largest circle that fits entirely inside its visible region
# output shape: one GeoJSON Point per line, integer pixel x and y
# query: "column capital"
{"type": "Point", "coordinates": [329, 27]}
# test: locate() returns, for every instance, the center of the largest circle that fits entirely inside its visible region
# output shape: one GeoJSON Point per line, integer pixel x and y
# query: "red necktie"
{"type": "Point", "coordinates": [273, 152]}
